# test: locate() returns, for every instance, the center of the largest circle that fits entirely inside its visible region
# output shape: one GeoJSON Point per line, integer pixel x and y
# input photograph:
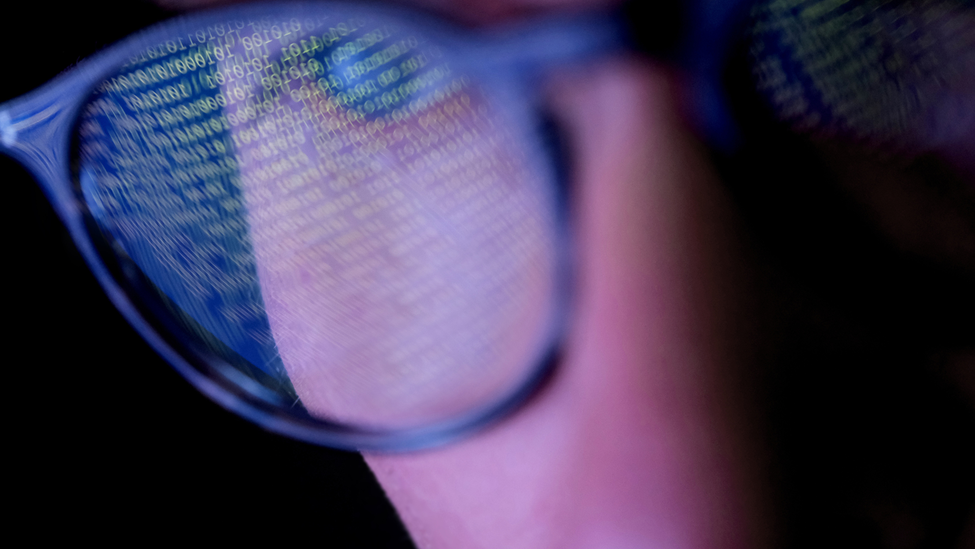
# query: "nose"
{"type": "Point", "coordinates": [641, 439]}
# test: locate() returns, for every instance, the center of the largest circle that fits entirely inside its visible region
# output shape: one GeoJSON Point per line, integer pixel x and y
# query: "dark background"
{"type": "Point", "coordinates": [872, 436]}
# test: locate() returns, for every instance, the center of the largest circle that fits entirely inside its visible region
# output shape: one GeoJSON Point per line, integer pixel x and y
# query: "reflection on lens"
{"type": "Point", "coordinates": [326, 204]}
{"type": "Point", "coordinates": [893, 76]}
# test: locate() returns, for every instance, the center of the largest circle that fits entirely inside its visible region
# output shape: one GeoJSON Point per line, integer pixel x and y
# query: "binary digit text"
{"type": "Point", "coordinates": [329, 199]}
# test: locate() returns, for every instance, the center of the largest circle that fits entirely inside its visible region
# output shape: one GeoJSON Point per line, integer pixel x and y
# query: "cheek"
{"type": "Point", "coordinates": [635, 443]}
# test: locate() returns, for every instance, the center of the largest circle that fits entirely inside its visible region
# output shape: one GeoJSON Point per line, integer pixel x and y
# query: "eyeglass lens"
{"type": "Point", "coordinates": [329, 206]}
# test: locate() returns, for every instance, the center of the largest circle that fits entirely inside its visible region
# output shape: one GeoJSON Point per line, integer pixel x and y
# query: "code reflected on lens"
{"type": "Point", "coordinates": [159, 170]}
{"type": "Point", "coordinates": [328, 198]}
{"type": "Point", "coordinates": [877, 72]}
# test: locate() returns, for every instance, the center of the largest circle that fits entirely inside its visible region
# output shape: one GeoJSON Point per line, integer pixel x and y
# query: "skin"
{"type": "Point", "coordinates": [645, 437]}
{"type": "Point", "coordinates": [639, 439]}
{"type": "Point", "coordinates": [633, 444]}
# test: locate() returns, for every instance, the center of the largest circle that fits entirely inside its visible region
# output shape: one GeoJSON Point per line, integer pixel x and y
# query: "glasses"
{"type": "Point", "coordinates": [341, 222]}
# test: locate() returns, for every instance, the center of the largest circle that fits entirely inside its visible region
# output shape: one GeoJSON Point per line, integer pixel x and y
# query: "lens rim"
{"type": "Point", "coordinates": [207, 372]}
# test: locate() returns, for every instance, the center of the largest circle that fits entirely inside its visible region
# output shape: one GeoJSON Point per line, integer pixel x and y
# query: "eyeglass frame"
{"type": "Point", "coordinates": [37, 129]}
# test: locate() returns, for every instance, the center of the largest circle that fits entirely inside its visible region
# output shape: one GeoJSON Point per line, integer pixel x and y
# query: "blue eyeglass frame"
{"type": "Point", "coordinates": [37, 130]}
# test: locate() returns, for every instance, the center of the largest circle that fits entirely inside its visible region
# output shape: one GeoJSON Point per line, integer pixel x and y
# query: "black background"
{"type": "Point", "coordinates": [106, 439]}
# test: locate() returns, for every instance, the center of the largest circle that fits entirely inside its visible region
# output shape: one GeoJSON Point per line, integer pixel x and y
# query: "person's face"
{"type": "Point", "coordinates": [638, 441]}
{"type": "Point", "coordinates": [644, 437]}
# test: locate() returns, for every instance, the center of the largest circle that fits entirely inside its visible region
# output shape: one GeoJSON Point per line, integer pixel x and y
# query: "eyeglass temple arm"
{"type": "Point", "coordinates": [34, 130]}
